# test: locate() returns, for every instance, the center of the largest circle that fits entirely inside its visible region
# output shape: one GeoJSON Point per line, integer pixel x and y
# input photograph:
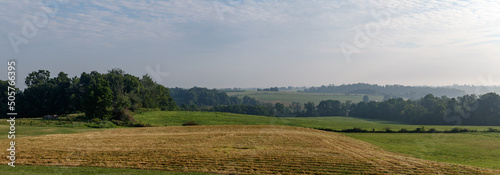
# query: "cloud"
{"type": "Point", "coordinates": [257, 32]}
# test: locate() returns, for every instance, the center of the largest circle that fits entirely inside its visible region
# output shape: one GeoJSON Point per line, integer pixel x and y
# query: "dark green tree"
{"type": "Point", "coordinates": [97, 95]}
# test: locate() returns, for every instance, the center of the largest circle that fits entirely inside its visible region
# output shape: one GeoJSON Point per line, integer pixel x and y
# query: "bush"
{"type": "Point", "coordinates": [142, 110]}
{"type": "Point", "coordinates": [457, 130]}
{"type": "Point", "coordinates": [420, 129]}
{"type": "Point", "coordinates": [492, 130]}
{"type": "Point", "coordinates": [101, 124]}
{"type": "Point", "coordinates": [388, 130]}
{"type": "Point", "coordinates": [354, 130]}
{"type": "Point", "coordinates": [432, 130]}
{"type": "Point", "coordinates": [190, 123]}
{"type": "Point", "coordinates": [403, 130]}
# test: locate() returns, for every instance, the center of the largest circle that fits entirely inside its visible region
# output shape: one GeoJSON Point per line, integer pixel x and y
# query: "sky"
{"type": "Point", "coordinates": [257, 43]}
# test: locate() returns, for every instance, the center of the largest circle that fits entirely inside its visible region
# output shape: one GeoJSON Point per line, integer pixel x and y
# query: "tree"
{"type": "Point", "coordinates": [97, 95]}
{"type": "Point", "coordinates": [296, 107]}
{"type": "Point", "coordinates": [310, 109]}
{"type": "Point", "coordinates": [3, 96]}
{"type": "Point", "coordinates": [330, 108]}
{"type": "Point", "coordinates": [36, 78]}
{"type": "Point", "coordinates": [366, 99]}
{"type": "Point", "coordinates": [280, 108]}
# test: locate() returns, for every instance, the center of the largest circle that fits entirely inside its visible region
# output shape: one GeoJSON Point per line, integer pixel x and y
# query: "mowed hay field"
{"type": "Point", "coordinates": [225, 149]}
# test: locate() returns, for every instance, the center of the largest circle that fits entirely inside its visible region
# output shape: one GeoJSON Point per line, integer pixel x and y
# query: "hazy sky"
{"type": "Point", "coordinates": [257, 43]}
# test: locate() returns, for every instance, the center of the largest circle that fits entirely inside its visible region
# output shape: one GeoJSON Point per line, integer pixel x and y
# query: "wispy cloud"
{"type": "Point", "coordinates": [295, 32]}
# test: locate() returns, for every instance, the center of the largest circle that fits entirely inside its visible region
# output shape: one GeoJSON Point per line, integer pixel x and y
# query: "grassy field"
{"type": "Point", "coordinates": [224, 149]}
{"type": "Point", "coordinates": [177, 118]}
{"type": "Point", "coordinates": [476, 149]}
{"type": "Point", "coordinates": [289, 97]}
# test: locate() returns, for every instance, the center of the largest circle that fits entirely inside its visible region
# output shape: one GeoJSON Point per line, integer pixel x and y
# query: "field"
{"type": "Point", "coordinates": [289, 97]}
{"type": "Point", "coordinates": [231, 143]}
{"type": "Point", "coordinates": [475, 149]}
{"type": "Point", "coordinates": [177, 118]}
{"type": "Point", "coordinates": [225, 149]}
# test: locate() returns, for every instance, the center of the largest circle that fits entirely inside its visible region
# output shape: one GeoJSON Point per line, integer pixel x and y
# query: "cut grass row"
{"type": "Point", "coordinates": [64, 170]}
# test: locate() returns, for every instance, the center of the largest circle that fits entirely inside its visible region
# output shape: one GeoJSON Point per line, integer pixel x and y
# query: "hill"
{"type": "Point", "coordinates": [225, 149]}
{"type": "Point", "coordinates": [177, 118]}
{"type": "Point", "coordinates": [443, 147]}
{"type": "Point", "coordinates": [289, 97]}
{"type": "Point", "coordinates": [412, 92]}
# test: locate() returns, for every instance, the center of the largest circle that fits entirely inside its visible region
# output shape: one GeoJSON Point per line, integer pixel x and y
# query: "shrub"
{"type": "Point", "coordinates": [388, 130]}
{"type": "Point", "coordinates": [354, 130]}
{"type": "Point", "coordinates": [457, 130]}
{"type": "Point", "coordinates": [403, 130]}
{"type": "Point", "coordinates": [101, 124]}
{"type": "Point", "coordinates": [420, 129]}
{"type": "Point", "coordinates": [190, 123]}
{"type": "Point", "coordinates": [492, 130]}
{"type": "Point", "coordinates": [432, 130]}
{"type": "Point", "coordinates": [137, 125]}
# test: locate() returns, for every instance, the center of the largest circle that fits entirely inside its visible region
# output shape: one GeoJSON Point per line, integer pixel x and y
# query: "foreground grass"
{"type": "Point", "coordinates": [476, 149]}
{"type": "Point", "coordinates": [224, 149]}
{"type": "Point", "coordinates": [63, 170]}
{"type": "Point", "coordinates": [289, 97]}
{"type": "Point", "coordinates": [177, 118]}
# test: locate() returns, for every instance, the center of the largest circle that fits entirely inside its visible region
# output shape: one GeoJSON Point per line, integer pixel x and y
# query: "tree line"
{"type": "Point", "coordinates": [483, 110]}
{"type": "Point", "coordinates": [105, 96]}
{"type": "Point", "coordinates": [390, 91]}
{"type": "Point", "coordinates": [197, 98]}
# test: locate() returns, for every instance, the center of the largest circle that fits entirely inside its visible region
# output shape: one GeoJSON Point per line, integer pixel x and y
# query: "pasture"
{"type": "Point", "coordinates": [475, 149]}
{"type": "Point", "coordinates": [177, 118]}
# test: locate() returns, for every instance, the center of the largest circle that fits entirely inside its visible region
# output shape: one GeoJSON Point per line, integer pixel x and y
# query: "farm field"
{"type": "Point", "coordinates": [289, 97]}
{"type": "Point", "coordinates": [473, 149]}
{"type": "Point", "coordinates": [177, 118]}
{"type": "Point", "coordinates": [225, 149]}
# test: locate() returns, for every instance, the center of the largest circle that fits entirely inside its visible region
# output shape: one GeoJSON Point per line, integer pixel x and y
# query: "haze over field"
{"type": "Point", "coordinates": [251, 43]}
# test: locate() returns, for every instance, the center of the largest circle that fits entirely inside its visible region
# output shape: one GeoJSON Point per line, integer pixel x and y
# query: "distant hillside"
{"type": "Point", "coordinates": [411, 92]}
{"type": "Point", "coordinates": [472, 89]}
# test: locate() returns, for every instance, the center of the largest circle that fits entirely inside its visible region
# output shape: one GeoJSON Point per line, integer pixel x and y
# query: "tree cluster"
{"type": "Point", "coordinates": [195, 98]}
{"type": "Point", "coordinates": [271, 89]}
{"type": "Point", "coordinates": [428, 110]}
{"type": "Point", "coordinates": [109, 96]}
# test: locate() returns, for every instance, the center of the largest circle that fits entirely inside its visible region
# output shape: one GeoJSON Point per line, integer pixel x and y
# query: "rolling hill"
{"type": "Point", "coordinates": [240, 149]}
